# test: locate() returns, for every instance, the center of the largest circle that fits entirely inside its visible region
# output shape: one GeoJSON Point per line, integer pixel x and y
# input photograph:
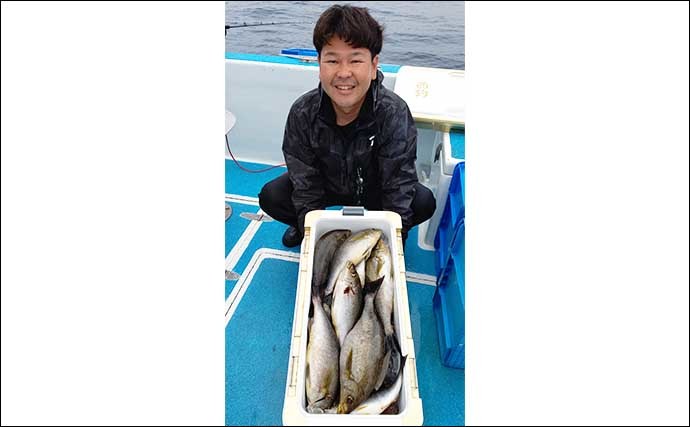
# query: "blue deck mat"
{"type": "Point", "coordinates": [418, 260]}
{"type": "Point", "coordinates": [269, 235]}
{"type": "Point", "coordinates": [235, 225]}
{"type": "Point", "coordinates": [441, 389]}
{"type": "Point", "coordinates": [257, 346]}
{"type": "Point", "coordinates": [257, 352]}
{"type": "Point", "coordinates": [248, 184]}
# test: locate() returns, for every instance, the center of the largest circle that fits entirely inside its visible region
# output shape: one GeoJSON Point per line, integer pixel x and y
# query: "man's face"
{"type": "Point", "coordinates": [346, 74]}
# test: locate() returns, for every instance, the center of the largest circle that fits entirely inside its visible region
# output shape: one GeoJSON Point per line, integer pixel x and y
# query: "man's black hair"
{"type": "Point", "coordinates": [352, 24]}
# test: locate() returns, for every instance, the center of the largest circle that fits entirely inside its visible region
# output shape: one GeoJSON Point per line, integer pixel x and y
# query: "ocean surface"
{"type": "Point", "coordinates": [419, 33]}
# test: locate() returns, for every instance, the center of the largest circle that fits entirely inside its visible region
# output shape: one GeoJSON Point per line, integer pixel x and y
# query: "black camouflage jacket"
{"type": "Point", "coordinates": [377, 159]}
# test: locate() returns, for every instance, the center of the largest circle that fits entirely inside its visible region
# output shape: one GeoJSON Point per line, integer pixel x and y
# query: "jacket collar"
{"type": "Point", "coordinates": [366, 113]}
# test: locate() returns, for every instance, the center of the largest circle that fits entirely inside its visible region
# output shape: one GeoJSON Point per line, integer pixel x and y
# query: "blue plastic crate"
{"type": "Point", "coordinates": [449, 305]}
{"type": "Point", "coordinates": [453, 214]}
{"type": "Point", "coordinates": [442, 240]}
{"type": "Point", "coordinates": [456, 195]}
{"type": "Point", "coordinates": [454, 270]}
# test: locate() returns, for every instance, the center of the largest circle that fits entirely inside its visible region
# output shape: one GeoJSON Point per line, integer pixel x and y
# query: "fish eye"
{"type": "Point", "coordinates": [349, 399]}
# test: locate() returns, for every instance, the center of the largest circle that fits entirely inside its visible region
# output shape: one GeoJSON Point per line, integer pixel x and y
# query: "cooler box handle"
{"type": "Point", "coordinates": [353, 211]}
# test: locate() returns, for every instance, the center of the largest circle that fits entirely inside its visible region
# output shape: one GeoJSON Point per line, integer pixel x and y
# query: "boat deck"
{"type": "Point", "coordinates": [260, 305]}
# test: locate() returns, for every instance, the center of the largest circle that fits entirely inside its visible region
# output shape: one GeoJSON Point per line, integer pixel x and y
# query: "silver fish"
{"type": "Point", "coordinates": [355, 249]}
{"type": "Point", "coordinates": [323, 253]}
{"type": "Point", "coordinates": [382, 399]}
{"type": "Point", "coordinates": [322, 361]}
{"type": "Point", "coordinates": [361, 356]}
{"type": "Point", "coordinates": [347, 302]}
{"type": "Point", "coordinates": [380, 265]}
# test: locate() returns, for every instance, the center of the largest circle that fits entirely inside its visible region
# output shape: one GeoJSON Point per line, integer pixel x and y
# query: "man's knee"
{"type": "Point", "coordinates": [274, 192]}
{"type": "Point", "coordinates": [265, 196]}
{"type": "Point", "coordinates": [266, 193]}
{"type": "Point", "coordinates": [425, 203]}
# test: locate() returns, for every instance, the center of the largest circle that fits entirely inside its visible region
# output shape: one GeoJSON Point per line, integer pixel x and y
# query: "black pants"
{"type": "Point", "coordinates": [276, 200]}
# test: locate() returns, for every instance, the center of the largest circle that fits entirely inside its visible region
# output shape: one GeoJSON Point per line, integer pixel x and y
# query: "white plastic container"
{"type": "Point", "coordinates": [434, 95]}
{"type": "Point", "coordinates": [316, 224]}
{"type": "Point", "coordinates": [439, 179]}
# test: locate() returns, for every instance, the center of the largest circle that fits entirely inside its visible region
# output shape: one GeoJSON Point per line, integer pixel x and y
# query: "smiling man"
{"type": "Point", "coordinates": [351, 141]}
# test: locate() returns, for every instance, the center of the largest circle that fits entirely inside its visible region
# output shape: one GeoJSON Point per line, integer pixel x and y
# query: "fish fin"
{"type": "Point", "coordinates": [396, 343]}
{"type": "Point", "coordinates": [388, 383]}
{"type": "Point", "coordinates": [327, 383]}
{"type": "Point", "coordinates": [328, 299]}
{"type": "Point", "coordinates": [348, 365]}
{"type": "Point", "coordinates": [351, 269]}
{"type": "Point", "coordinates": [307, 377]}
{"type": "Point", "coordinates": [313, 409]}
{"type": "Point", "coordinates": [372, 287]}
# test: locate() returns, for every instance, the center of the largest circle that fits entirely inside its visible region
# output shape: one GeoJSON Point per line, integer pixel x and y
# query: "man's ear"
{"type": "Point", "coordinates": [375, 63]}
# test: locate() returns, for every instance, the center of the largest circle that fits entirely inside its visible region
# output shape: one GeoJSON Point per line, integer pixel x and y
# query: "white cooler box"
{"type": "Point", "coordinates": [434, 95]}
{"type": "Point", "coordinates": [294, 408]}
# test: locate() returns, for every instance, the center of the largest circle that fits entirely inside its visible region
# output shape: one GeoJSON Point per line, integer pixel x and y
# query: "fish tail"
{"type": "Point", "coordinates": [395, 342]}
{"type": "Point", "coordinates": [396, 362]}
{"type": "Point", "coordinates": [373, 287]}
{"type": "Point", "coordinates": [402, 363]}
